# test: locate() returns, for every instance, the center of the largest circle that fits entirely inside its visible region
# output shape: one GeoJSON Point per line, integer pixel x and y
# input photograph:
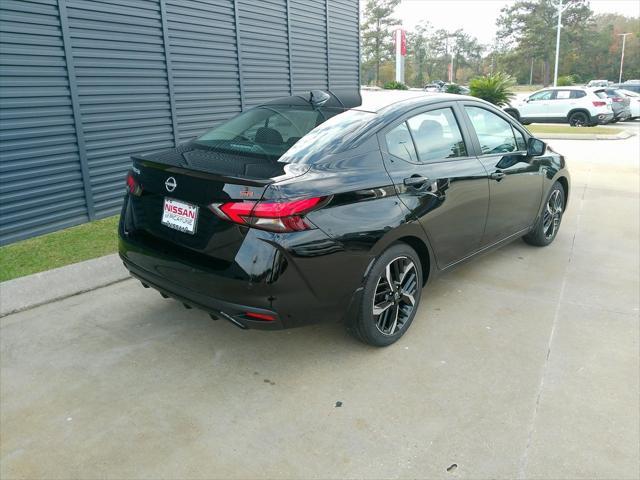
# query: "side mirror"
{"type": "Point", "coordinates": [536, 147]}
{"type": "Point", "coordinates": [526, 99]}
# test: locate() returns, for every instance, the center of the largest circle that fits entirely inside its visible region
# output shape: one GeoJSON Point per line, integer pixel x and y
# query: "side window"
{"type": "Point", "coordinates": [563, 94]}
{"type": "Point", "coordinates": [399, 143]}
{"type": "Point", "coordinates": [578, 94]}
{"type": "Point", "coordinates": [494, 133]}
{"type": "Point", "coordinates": [437, 135]}
{"type": "Point", "coordinates": [544, 95]}
{"type": "Point", "coordinates": [521, 143]}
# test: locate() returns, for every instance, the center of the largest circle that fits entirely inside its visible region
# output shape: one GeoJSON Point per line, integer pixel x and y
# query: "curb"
{"type": "Point", "coordinates": [584, 136]}
{"type": "Point", "coordinates": [33, 290]}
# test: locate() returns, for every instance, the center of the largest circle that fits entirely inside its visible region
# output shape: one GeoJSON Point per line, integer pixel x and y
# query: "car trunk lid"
{"type": "Point", "coordinates": [172, 206]}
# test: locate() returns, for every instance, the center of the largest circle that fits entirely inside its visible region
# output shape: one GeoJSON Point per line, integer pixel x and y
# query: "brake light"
{"type": "Point", "coordinates": [260, 316]}
{"type": "Point", "coordinates": [617, 99]}
{"type": "Point", "coordinates": [599, 104]}
{"type": "Point", "coordinates": [287, 216]}
{"type": "Point", "coordinates": [133, 186]}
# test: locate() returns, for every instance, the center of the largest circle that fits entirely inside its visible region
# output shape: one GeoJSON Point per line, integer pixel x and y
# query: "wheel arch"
{"type": "Point", "coordinates": [564, 181]}
{"type": "Point", "coordinates": [413, 235]}
{"type": "Point", "coordinates": [423, 252]}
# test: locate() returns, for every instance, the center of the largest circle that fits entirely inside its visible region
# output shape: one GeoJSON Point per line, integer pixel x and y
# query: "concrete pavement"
{"type": "Point", "coordinates": [521, 364]}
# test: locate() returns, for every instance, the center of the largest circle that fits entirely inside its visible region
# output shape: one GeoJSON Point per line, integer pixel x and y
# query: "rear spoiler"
{"type": "Point", "coordinates": [341, 98]}
{"type": "Point", "coordinates": [169, 168]}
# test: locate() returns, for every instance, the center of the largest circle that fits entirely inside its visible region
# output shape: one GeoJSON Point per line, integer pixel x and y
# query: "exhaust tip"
{"type": "Point", "coordinates": [233, 320]}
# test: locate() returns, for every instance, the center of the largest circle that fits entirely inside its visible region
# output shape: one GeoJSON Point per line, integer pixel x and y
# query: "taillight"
{"type": "Point", "coordinates": [617, 99]}
{"type": "Point", "coordinates": [286, 216]}
{"type": "Point", "coordinates": [132, 185]}
{"type": "Point", "coordinates": [260, 316]}
{"type": "Point", "coordinates": [599, 104]}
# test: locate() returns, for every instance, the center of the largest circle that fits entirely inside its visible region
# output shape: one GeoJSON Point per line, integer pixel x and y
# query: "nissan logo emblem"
{"type": "Point", "coordinates": [170, 184]}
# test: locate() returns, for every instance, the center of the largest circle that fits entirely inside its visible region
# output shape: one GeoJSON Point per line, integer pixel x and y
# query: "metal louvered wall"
{"type": "Point", "coordinates": [84, 84]}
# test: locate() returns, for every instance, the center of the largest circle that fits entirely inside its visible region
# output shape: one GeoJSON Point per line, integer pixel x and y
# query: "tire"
{"type": "Point", "coordinates": [397, 306]}
{"type": "Point", "coordinates": [579, 119]}
{"type": "Point", "coordinates": [547, 226]}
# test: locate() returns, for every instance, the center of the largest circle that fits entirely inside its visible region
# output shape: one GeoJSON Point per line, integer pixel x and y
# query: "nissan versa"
{"type": "Point", "coordinates": [307, 208]}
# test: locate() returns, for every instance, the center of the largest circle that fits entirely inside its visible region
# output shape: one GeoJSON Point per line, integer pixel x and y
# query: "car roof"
{"type": "Point", "coordinates": [571, 87]}
{"type": "Point", "coordinates": [394, 100]}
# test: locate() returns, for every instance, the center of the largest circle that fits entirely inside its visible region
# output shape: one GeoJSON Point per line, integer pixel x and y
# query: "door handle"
{"type": "Point", "coordinates": [497, 176]}
{"type": "Point", "coordinates": [415, 181]}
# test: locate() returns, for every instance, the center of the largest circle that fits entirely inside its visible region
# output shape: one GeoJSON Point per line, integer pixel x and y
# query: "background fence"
{"type": "Point", "coordinates": [84, 84]}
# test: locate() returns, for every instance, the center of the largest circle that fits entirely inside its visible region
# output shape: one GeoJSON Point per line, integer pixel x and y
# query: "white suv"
{"type": "Point", "coordinates": [578, 106]}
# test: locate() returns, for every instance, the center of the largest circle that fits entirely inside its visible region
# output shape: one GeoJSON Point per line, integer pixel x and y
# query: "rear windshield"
{"type": "Point", "coordinates": [601, 93]}
{"type": "Point", "coordinates": [266, 130]}
{"type": "Point", "coordinates": [327, 138]}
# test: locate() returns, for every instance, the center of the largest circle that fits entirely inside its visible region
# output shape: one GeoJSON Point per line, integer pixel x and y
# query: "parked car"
{"type": "Point", "coordinates": [620, 104]}
{"type": "Point", "coordinates": [578, 106]}
{"type": "Point", "coordinates": [434, 86]}
{"type": "Point", "coordinates": [463, 90]}
{"type": "Point", "coordinates": [599, 83]}
{"type": "Point", "coordinates": [298, 211]}
{"type": "Point", "coordinates": [441, 87]}
{"type": "Point", "coordinates": [629, 85]}
{"type": "Point", "coordinates": [634, 103]}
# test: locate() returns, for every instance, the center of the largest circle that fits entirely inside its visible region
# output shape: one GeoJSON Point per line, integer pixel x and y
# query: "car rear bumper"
{"type": "Point", "coordinates": [292, 280]}
{"type": "Point", "coordinates": [623, 114]}
{"type": "Point", "coordinates": [603, 118]}
{"type": "Point", "coordinates": [233, 312]}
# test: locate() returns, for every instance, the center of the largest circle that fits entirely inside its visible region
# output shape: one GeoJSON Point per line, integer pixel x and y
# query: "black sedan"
{"type": "Point", "coordinates": [308, 209]}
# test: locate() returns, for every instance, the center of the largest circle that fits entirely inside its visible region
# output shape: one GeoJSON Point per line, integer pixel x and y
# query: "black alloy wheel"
{"type": "Point", "coordinates": [547, 227]}
{"type": "Point", "coordinates": [391, 296]}
{"type": "Point", "coordinates": [394, 297]}
{"type": "Point", "coordinates": [579, 119]}
{"type": "Point", "coordinates": [552, 214]}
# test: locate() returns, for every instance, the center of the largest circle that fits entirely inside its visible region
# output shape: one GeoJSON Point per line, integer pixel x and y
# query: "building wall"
{"type": "Point", "coordinates": [84, 84]}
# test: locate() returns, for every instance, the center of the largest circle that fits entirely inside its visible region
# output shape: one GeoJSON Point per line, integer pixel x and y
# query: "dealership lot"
{"type": "Point", "coordinates": [523, 363]}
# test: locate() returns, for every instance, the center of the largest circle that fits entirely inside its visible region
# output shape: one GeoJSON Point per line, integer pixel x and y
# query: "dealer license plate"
{"type": "Point", "coordinates": [180, 215]}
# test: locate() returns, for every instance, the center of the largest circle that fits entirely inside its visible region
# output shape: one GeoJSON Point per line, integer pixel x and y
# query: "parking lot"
{"type": "Point", "coordinates": [521, 364]}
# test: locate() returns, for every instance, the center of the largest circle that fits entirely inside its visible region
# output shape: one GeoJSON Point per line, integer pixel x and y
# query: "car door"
{"type": "Point", "coordinates": [537, 105]}
{"type": "Point", "coordinates": [516, 180]}
{"type": "Point", "coordinates": [560, 104]}
{"type": "Point", "coordinates": [440, 182]}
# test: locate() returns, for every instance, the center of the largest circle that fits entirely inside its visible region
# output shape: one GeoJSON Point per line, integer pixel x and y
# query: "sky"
{"type": "Point", "coordinates": [478, 17]}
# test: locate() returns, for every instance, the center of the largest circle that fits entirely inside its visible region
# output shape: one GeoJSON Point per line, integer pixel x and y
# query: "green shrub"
{"type": "Point", "coordinates": [394, 85]}
{"type": "Point", "coordinates": [453, 88]}
{"type": "Point", "coordinates": [566, 80]}
{"type": "Point", "coordinates": [495, 88]}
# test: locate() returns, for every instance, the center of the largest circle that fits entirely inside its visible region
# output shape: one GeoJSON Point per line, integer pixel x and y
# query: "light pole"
{"type": "Point", "coordinates": [624, 39]}
{"type": "Point", "coordinates": [561, 8]}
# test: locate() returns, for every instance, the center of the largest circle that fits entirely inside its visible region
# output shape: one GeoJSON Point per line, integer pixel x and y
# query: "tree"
{"type": "Point", "coordinates": [493, 88]}
{"type": "Point", "coordinates": [418, 53]}
{"type": "Point", "coordinates": [529, 27]}
{"type": "Point", "coordinates": [430, 52]}
{"type": "Point", "coordinates": [376, 33]}
{"type": "Point", "coordinates": [600, 57]}
{"type": "Point", "coordinates": [466, 51]}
